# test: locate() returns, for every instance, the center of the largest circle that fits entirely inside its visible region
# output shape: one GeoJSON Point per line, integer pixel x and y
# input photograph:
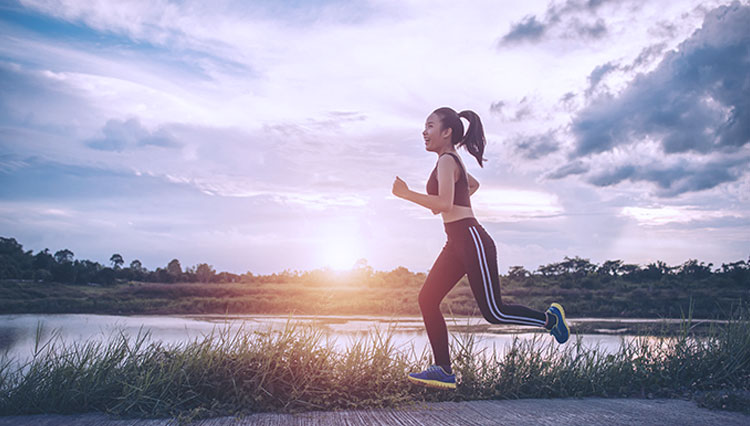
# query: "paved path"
{"type": "Point", "coordinates": [586, 411]}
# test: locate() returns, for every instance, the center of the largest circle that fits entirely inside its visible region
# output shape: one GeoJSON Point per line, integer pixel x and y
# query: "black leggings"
{"type": "Point", "coordinates": [469, 250]}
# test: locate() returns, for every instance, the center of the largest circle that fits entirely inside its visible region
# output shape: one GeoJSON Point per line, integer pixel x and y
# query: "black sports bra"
{"type": "Point", "coordinates": [461, 189]}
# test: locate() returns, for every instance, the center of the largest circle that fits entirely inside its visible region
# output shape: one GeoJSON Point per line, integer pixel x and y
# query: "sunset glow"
{"type": "Point", "coordinates": [264, 136]}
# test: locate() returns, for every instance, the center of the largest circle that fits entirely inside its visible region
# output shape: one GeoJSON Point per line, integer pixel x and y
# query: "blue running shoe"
{"type": "Point", "coordinates": [434, 377]}
{"type": "Point", "coordinates": [561, 331]}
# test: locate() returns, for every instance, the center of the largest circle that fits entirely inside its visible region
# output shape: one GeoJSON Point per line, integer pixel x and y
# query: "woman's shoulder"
{"type": "Point", "coordinates": [443, 158]}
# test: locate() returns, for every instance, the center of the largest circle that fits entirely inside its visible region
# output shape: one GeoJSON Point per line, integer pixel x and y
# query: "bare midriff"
{"type": "Point", "coordinates": [457, 213]}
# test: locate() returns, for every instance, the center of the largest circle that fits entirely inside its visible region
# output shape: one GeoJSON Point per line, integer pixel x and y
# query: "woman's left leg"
{"type": "Point", "coordinates": [480, 261]}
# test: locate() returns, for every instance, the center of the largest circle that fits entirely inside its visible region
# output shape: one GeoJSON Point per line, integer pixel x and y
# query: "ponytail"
{"type": "Point", "coordinates": [474, 140]}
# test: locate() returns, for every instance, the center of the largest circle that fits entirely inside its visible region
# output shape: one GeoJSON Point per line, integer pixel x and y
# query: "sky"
{"type": "Point", "coordinates": [265, 135]}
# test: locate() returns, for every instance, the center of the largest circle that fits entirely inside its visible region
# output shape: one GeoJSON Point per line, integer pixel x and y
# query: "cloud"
{"type": "Point", "coordinates": [529, 29]}
{"type": "Point", "coordinates": [672, 180]}
{"type": "Point", "coordinates": [573, 168]}
{"type": "Point", "coordinates": [522, 110]}
{"type": "Point", "coordinates": [573, 16]}
{"type": "Point", "coordinates": [598, 74]}
{"type": "Point", "coordinates": [692, 106]}
{"type": "Point", "coordinates": [120, 135]}
{"type": "Point", "coordinates": [695, 100]}
{"type": "Point", "coordinates": [36, 178]}
{"type": "Point", "coordinates": [537, 146]}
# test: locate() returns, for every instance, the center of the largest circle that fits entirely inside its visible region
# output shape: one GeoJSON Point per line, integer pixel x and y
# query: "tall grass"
{"type": "Point", "coordinates": [298, 369]}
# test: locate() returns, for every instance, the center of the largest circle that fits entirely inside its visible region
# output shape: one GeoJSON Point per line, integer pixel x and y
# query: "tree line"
{"type": "Point", "coordinates": [15, 263]}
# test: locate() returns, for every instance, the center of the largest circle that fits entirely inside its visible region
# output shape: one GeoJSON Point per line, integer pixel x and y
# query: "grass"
{"type": "Point", "coordinates": [297, 369]}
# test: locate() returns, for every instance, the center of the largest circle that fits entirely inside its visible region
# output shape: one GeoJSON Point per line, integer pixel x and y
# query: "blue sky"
{"type": "Point", "coordinates": [262, 136]}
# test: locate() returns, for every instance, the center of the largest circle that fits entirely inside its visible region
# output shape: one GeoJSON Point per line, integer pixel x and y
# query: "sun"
{"type": "Point", "coordinates": [340, 252]}
{"type": "Point", "coordinates": [340, 257]}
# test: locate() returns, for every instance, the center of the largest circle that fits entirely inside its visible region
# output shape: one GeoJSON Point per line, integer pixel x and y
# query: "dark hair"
{"type": "Point", "coordinates": [473, 140]}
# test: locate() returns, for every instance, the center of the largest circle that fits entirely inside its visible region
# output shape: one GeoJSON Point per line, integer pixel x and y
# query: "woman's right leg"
{"type": "Point", "coordinates": [443, 276]}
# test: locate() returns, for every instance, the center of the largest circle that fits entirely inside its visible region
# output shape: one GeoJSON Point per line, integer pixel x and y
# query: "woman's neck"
{"type": "Point", "coordinates": [446, 150]}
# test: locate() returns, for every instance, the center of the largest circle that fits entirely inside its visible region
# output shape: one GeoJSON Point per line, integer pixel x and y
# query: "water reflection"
{"type": "Point", "coordinates": [18, 332]}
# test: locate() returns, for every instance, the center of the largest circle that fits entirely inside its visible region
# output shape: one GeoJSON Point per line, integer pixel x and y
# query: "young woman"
{"type": "Point", "coordinates": [469, 249]}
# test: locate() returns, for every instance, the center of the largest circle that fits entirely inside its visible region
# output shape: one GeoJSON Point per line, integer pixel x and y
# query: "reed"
{"type": "Point", "coordinates": [297, 369]}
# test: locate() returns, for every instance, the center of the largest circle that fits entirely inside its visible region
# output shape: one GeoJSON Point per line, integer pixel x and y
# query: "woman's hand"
{"type": "Point", "coordinates": [399, 188]}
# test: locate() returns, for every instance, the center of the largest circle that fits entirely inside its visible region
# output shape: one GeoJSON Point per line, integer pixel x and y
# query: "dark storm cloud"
{"type": "Point", "coordinates": [598, 74]}
{"type": "Point", "coordinates": [537, 146]}
{"type": "Point", "coordinates": [694, 104]}
{"type": "Point", "coordinates": [120, 135]}
{"type": "Point", "coordinates": [529, 29]}
{"type": "Point", "coordinates": [648, 54]}
{"type": "Point", "coordinates": [532, 29]}
{"type": "Point", "coordinates": [594, 30]}
{"type": "Point", "coordinates": [675, 179]}
{"type": "Point", "coordinates": [695, 100]}
{"type": "Point", "coordinates": [574, 168]}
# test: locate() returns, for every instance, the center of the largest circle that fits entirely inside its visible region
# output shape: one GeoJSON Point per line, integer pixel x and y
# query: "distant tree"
{"type": "Point", "coordinates": [105, 276]}
{"type": "Point", "coordinates": [65, 272]}
{"type": "Point", "coordinates": [64, 256]}
{"type": "Point", "coordinates": [739, 272]}
{"type": "Point", "coordinates": [630, 269]}
{"type": "Point", "coordinates": [136, 265]}
{"type": "Point", "coordinates": [44, 260]}
{"type": "Point", "coordinates": [552, 269]}
{"type": "Point", "coordinates": [362, 272]}
{"type": "Point", "coordinates": [577, 266]}
{"type": "Point", "coordinates": [610, 268]}
{"type": "Point", "coordinates": [654, 271]}
{"type": "Point", "coordinates": [174, 269]}
{"type": "Point", "coordinates": [14, 262]}
{"type": "Point", "coordinates": [86, 271]}
{"type": "Point", "coordinates": [116, 260]}
{"type": "Point", "coordinates": [135, 271]}
{"type": "Point", "coordinates": [518, 273]}
{"type": "Point", "coordinates": [693, 268]}
{"type": "Point", "coordinates": [228, 277]}
{"type": "Point", "coordinates": [205, 272]}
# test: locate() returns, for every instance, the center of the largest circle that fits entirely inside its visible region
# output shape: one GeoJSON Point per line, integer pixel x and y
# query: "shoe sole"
{"type": "Point", "coordinates": [564, 322]}
{"type": "Point", "coordinates": [435, 384]}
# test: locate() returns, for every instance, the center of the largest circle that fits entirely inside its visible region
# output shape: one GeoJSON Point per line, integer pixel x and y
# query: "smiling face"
{"type": "Point", "coordinates": [436, 138]}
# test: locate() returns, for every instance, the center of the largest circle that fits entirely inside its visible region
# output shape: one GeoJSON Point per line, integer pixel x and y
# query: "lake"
{"type": "Point", "coordinates": [18, 332]}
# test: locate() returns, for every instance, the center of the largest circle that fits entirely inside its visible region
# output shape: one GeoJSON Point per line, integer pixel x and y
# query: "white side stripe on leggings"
{"type": "Point", "coordinates": [489, 292]}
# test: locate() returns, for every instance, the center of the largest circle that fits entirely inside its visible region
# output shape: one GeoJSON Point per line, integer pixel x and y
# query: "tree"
{"type": "Point", "coordinates": [14, 263]}
{"type": "Point", "coordinates": [205, 272]}
{"type": "Point", "coordinates": [518, 273]}
{"type": "Point", "coordinates": [64, 256]}
{"type": "Point", "coordinates": [116, 260]}
{"type": "Point", "coordinates": [136, 265]}
{"type": "Point", "coordinates": [174, 269]}
{"type": "Point", "coordinates": [695, 269]}
{"type": "Point", "coordinates": [577, 266]}
{"type": "Point", "coordinates": [44, 260]}
{"type": "Point", "coordinates": [610, 267]}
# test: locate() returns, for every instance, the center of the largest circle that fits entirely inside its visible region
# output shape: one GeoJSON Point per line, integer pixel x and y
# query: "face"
{"type": "Point", "coordinates": [435, 137]}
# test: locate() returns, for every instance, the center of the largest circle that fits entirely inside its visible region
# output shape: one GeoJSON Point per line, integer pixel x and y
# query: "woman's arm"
{"type": "Point", "coordinates": [473, 184]}
{"type": "Point", "coordinates": [437, 203]}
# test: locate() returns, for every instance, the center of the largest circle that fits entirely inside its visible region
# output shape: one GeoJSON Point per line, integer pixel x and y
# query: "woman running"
{"type": "Point", "coordinates": [469, 249]}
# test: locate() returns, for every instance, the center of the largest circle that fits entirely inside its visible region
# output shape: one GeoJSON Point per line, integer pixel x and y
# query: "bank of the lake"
{"type": "Point", "coordinates": [616, 299]}
{"type": "Point", "coordinates": [295, 369]}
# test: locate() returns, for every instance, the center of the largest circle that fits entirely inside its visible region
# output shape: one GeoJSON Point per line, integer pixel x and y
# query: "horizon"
{"type": "Point", "coordinates": [265, 136]}
{"type": "Point", "coordinates": [364, 263]}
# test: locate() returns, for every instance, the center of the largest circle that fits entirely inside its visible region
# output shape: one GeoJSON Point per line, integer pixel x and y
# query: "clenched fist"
{"type": "Point", "coordinates": [399, 188]}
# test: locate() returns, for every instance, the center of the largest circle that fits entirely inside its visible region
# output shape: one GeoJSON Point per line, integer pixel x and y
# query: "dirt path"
{"type": "Point", "coordinates": [556, 412]}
